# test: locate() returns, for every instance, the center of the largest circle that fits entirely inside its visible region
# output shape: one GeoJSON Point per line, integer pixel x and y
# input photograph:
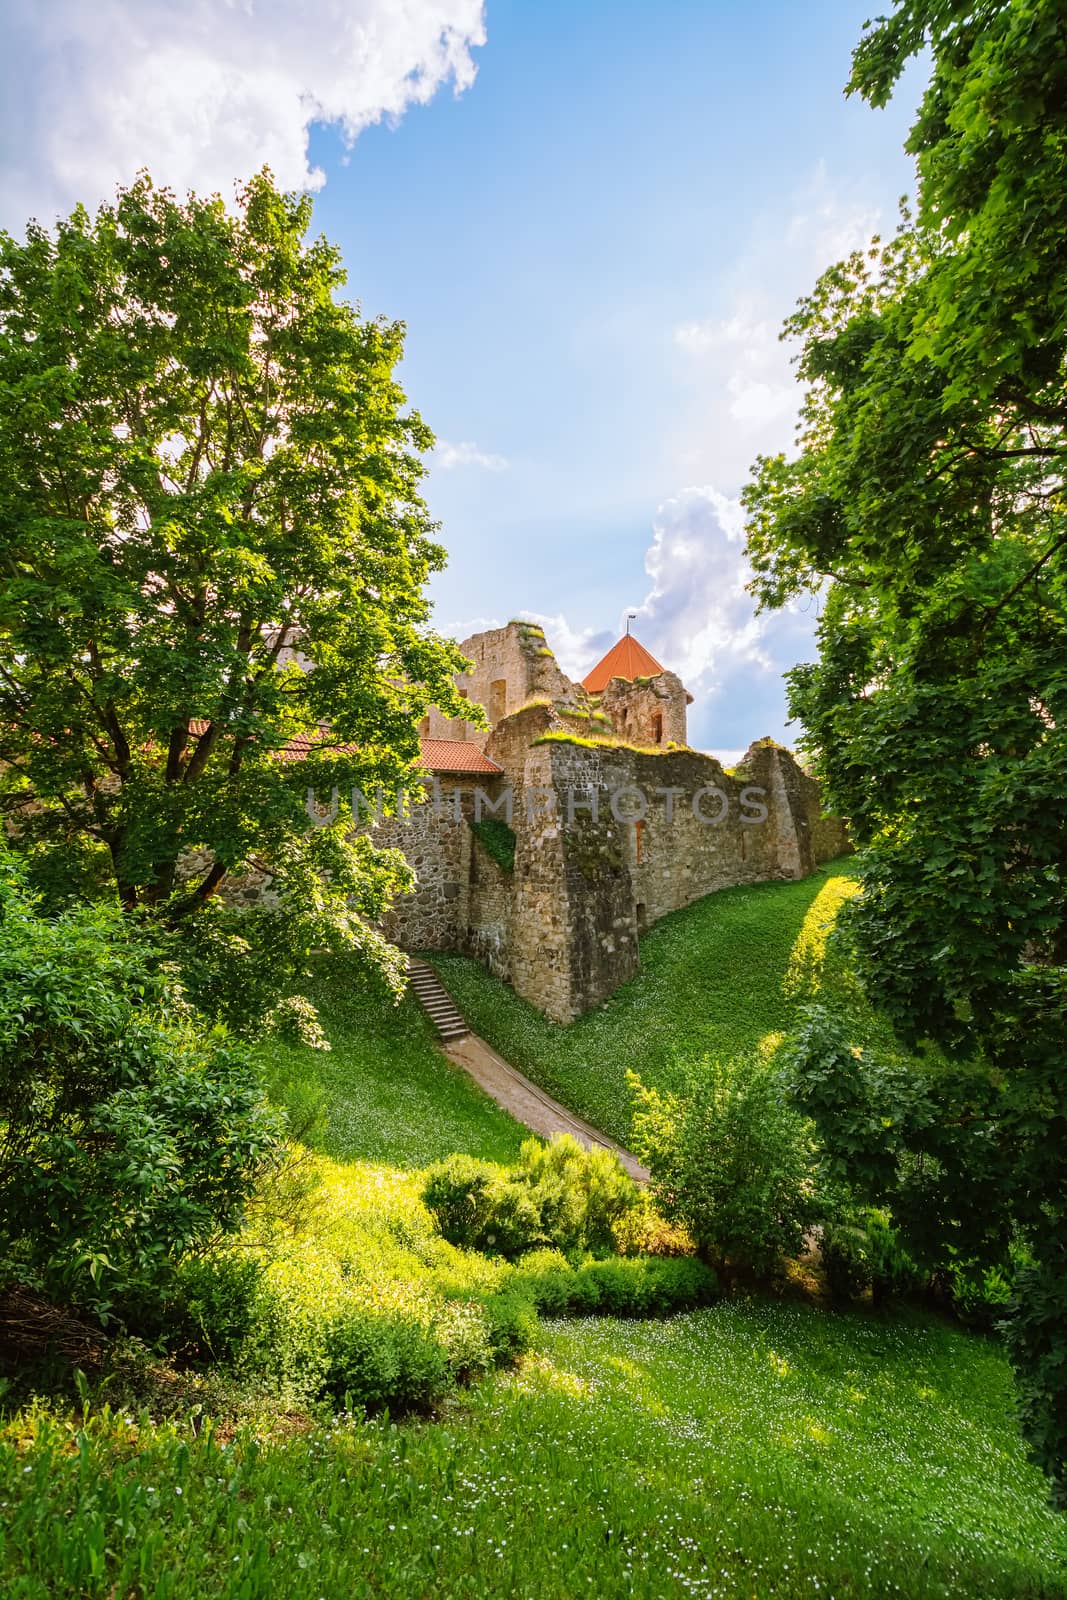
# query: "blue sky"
{"type": "Point", "coordinates": [592, 218]}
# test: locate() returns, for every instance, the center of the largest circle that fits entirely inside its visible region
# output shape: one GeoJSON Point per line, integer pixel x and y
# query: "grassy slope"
{"type": "Point", "coordinates": [716, 978]}
{"type": "Point", "coordinates": [389, 1095]}
{"type": "Point", "coordinates": [750, 1450]}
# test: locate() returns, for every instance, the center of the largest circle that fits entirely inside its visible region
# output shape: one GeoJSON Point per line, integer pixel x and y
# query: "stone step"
{"type": "Point", "coordinates": [436, 1001]}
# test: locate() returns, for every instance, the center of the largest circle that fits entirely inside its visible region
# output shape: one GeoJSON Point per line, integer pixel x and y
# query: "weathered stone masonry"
{"type": "Point", "coordinates": [588, 878]}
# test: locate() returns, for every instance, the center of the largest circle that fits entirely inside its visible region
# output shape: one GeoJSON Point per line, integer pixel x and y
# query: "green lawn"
{"type": "Point", "coordinates": [718, 977]}
{"type": "Point", "coordinates": [755, 1449]}
{"type": "Point", "coordinates": [763, 1450]}
{"type": "Point", "coordinates": [388, 1093]}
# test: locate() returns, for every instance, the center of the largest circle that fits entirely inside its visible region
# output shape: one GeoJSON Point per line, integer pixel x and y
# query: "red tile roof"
{"type": "Point", "coordinates": [627, 659]}
{"type": "Point", "coordinates": [455, 755]}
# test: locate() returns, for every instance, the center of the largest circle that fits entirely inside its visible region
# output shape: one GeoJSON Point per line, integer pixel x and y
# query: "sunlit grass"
{"type": "Point", "coordinates": [717, 978]}
{"type": "Point", "coordinates": [389, 1094]}
{"type": "Point", "coordinates": [755, 1449]}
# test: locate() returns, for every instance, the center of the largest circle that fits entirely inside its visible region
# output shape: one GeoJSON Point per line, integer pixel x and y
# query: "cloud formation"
{"type": "Point", "coordinates": [699, 620]}
{"type": "Point", "coordinates": [447, 456]}
{"type": "Point", "coordinates": [207, 91]}
{"type": "Point", "coordinates": [742, 387]}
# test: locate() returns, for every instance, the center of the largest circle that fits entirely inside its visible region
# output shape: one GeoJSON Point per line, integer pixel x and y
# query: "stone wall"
{"type": "Point", "coordinates": [588, 878]}
{"type": "Point", "coordinates": [435, 838]}
{"type": "Point", "coordinates": [665, 829]}
{"type": "Point", "coordinates": [511, 666]}
{"type": "Point", "coordinates": [648, 711]}
{"type": "Point", "coordinates": [489, 930]}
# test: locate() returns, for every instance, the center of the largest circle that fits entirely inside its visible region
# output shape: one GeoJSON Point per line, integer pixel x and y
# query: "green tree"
{"type": "Point", "coordinates": [129, 1135]}
{"type": "Point", "coordinates": [927, 502]}
{"type": "Point", "coordinates": [205, 465]}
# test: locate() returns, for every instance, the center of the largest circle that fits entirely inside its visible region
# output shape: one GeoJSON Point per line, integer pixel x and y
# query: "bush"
{"type": "Point", "coordinates": [582, 1194]}
{"type": "Point", "coordinates": [512, 1323]}
{"type": "Point", "coordinates": [1036, 1333]}
{"type": "Point", "coordinates": [732, 1163]}
{"type": "Point", "coordinates": [377, 1358]}
{"type": "Point", "coordinates": [622, 1286]}
{"type": "Point", "coordinates": [210, 1312]}
{"type": "Point", "coordinates": [644, 1231]}
{"type": "Point", "coordinates": [130, 1137]}
{"type": "Point", "coordinates": [295, 1020]}
{"type": "Point", "coordinates": [558, 1194]}
{"type": "Point", "coordinates": [478, 1207]}
{"type": "Point", "coordinates": [863, 1250]}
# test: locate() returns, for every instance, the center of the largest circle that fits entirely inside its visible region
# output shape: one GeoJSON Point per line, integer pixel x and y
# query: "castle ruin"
{"type": "Point", "coordinates": [549, 841]}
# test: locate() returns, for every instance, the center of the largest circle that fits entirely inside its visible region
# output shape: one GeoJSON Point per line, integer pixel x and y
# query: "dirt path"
{"type": "Point", "coordinates": [529, 1104]}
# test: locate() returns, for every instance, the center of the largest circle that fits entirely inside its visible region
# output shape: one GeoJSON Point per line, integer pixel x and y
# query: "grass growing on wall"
{"type": "Point", "coordinates": [716, 978]}
{"type": "Point", "coordinates": [750, 1450]}
{"type": "Point", "coordinates": [499, 840]}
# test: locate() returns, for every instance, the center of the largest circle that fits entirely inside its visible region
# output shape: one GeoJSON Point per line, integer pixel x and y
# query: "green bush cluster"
{"type": "Point", "coordinates": [862, 1250]}
{"type": "Point", "coordinates": [619, 1286]}
{"type": "Point", "coordinates": [557, 1194]}
{"type": "Point", "coordinates": [132, 1135]}
{"type": "Point", "coordinates": [733, 1163]}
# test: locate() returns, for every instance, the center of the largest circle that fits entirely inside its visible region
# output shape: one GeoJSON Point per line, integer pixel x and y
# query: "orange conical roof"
{"type": "Point", "coordinates": [627, 659]}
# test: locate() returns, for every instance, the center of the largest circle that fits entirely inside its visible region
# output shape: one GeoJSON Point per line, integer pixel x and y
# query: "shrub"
{"type": "Point", "coordinates": [130, 1138]}
{"type": "Point", "coordinates": [211, 1308]}
{"type": "Point", "coordinates": [582, 1193]}
{"type": "Point", "coordinates": [621, 1286]}
{"type": "Point", "coordinates": [477, 1206]}
{"type": "Point", "coordinates": [512, 1323]}
{"type": "Point", "coordinates": [1036, 1333]}
{"type": "Point", "coordinates": [983, 1294]}
{"type": "Point", "coordinates": [296, 1021]}
{"type": "Point", "coordinates": [644, 1231]}
{"type": "Point", "coordinates": [558, 1194]}
{"type": "Point", "coordinates": [863, 1250]}
{"type": "Point", "coordinates": [376, 1357]}
{"type": "Point", "coordinates": [732, 1163]}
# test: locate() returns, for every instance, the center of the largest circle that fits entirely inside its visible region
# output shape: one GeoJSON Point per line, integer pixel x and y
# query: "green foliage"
{"type": "Point", "coordinates": [861, 1250]}
{"type": "Point", "coordinates": [928, 497]}
{"type": "Point", "coordinates": [1037, 1342]}
{"type": "Point", "coordinates": [717, 979]}
{"type": "Point", "coordinates": [297, 1021]}
{"type": "Point", "coordinates": [558, 1194]}
{"type": "Point", "coordinates": [205, 464]}
{"type": "Point", "coordinates": [358, 1302]}
{"type": "Point", "coordinates": [751, 1448]}
{"type": "Point", "coordinates": [240, 966]}
{"type": "Point", "coordinates": [619, 1286]}
{"type": "Point", "coordinates": [733, 1162]}
{"type": "Point", "coordinates": [210, 1309]}
{"type": "Point", "coordinates": [128, 1136]}
{"type": "Point", "coordinates": [499, 840]}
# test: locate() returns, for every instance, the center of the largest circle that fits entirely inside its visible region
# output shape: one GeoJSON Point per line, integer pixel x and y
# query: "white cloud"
{"type": "Point", "coordinates": [743, 390]}
{"type": "Point", "coordinates": [698, 617]}
{"type": "Point", "coordinates": [207, 91]}
{"type": "Point", "coordinates": [465, 454]}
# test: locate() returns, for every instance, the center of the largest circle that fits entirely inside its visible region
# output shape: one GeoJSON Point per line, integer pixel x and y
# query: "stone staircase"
{"type": "Point", "coordinates": [436, 1001]}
